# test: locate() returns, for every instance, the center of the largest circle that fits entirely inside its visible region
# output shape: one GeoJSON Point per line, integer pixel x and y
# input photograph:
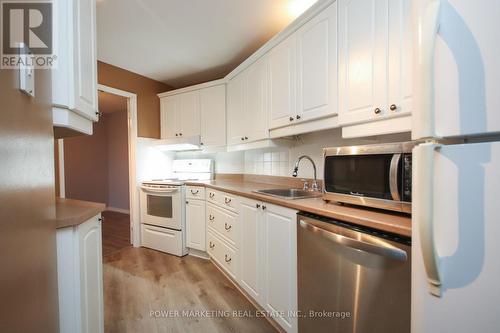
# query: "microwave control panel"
{"type": "Point", "coordinates": [407, 177]}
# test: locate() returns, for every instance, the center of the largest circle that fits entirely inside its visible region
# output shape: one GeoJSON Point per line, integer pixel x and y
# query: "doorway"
{"type": "Point", "coordinates": [101, 167]}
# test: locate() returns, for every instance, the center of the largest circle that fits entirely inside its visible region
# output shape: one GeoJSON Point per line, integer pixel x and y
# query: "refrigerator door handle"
{"type": "Point", "coordinates": [424, 154]}
{"type": "Point", "coordinates": [427, 25]}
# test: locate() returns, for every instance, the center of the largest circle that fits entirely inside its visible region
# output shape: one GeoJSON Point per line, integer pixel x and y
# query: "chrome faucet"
{"type": "Point", "coordinates": [315, 186]}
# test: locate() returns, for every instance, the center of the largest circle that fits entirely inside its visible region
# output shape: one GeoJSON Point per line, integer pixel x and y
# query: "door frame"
{"type": "Point", "coordinates": [132, 159]}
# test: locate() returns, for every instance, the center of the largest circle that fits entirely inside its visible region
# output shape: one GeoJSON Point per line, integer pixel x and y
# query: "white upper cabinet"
{"type": "Point", "coordinates": [180, 115]}
{"type": "Point", "coordinates": [235, 111]}
{"type": "Point", "coordinates": [74, 82]}
{"type": "Point", "coordinates": [189, 114]}
{"type": "Point", "coordinates": [374, 60]}
{"type": "Point", "coordinates": [247, 100]}
{"type": "Point", "coordinates": [282, 83]}
{"type": "Point", "coordinates": [317, 66]}
{"type": "Point", "coordinates": [256, 102]}
{"type": "Point", "coordinates": [169, 123]}
{"type": "Point", "coordinates": [213, 116]}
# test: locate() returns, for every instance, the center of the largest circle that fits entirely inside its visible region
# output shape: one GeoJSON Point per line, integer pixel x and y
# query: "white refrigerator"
{"type": "Point", "coordinates": [456, 187]}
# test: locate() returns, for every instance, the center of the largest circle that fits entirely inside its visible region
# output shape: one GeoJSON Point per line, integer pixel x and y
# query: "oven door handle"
{"type": "Point", "coordinates": [386, 250]}
{"type": "Point", "coordinates": [159, 190]}
{"type": "Point", "coordinates": [393, 177]}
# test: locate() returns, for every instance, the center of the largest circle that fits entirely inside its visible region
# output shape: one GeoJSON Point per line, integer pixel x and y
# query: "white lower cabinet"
{"type": "Point", "coordinates": [195, 224]}
{"type": "Point", "coordinates": [251, 254]}
{"type": "Point", "coordinates": [279, 264]}
{"type": "Point", "coordinates": [79, 272]}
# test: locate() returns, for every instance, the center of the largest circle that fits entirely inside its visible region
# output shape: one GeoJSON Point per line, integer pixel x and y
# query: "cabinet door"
{"type": "Point", "coordinates": [362, 60]}
{"type": "Point", "coordinates": [91, 294]}
{"type": "Point", "coordinates": [189, 114]}
{"type": "Point", "coordinates": [84, 41]}
{"type": "Point", "coordinates": [195, 224]}
{"type": "Point", "coordinates": [213, 116]}
{"type": "Point", "coordinates": [169, 121]}
{"type": "Point", "coordinates": [251, 224]}
{"type": "Point", "coordinates": [235, 110]}
{"type": "Point", "coordinates": [400, 90]}
{"type": "Point", "coordinates": [317, 66]}
{"type": "Point", "coordinates": [280, 264]}
{"type": "Point", "coordinates": [282, 83]}
{"type": "Point", "coordinates": [256, 102]}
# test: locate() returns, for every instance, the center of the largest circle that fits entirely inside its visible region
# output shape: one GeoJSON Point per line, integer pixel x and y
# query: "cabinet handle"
{"type": "Point", "coordinates": [201, 143]}
{"type": "Point", "coordinates": [211, 217]}
{"type": "Point", "coordinates": [377, 110]}
{"type": "Point", "coordinates": [227, 200]}
{"type": "Point", "coordinates": [176, 134]}
{"type": "Point", "coordinates": [180, 134]}
{"type": "Point", "coordinates": [226, 227]}
{"type": "Point", "coordinates": [291, 118]}
{"type": "Point", "coordinates": [226, 258]}
{"type": "Point", "coordinates": [211, 195]}
{"type": "Point", "coordinates": [298, 116]}
{"type": "Point", "coordinates": [195, 192]}
{"type": "Point", "coordinates": [98, 114]}
{"type": "Point", "coordinates": [393, 107]}
{"type": "Point", "coordinates": [246, 137]}
{"type": "Point", "coordinates": [264, 207]}
{"type": "Point", "coordinates": [212, 245]}
{"type": "Point", "coordinates": [242, 139]}
{"type": "Point", "coordinates": [257, 205]}
{"type": "Point", "coordinates": [100, 219]}
{"type": "Point", "coordinates": [187, 202]}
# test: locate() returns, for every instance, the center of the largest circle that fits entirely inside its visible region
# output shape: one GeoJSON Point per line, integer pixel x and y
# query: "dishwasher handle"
{"type": "Point", "coordinates": [385, 250]}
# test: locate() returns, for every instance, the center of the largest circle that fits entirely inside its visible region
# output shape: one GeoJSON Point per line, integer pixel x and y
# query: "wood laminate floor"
{"type": "Point", "coordinates": [115, 232]}
{"type": "Point", "coordinates": [140, 283]}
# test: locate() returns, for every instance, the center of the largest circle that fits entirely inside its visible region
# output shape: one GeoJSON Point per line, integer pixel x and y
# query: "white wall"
{"type": "Point", "coordinates": [151, 162]}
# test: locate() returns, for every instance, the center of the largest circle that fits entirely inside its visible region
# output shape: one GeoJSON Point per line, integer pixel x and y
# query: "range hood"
{"type": "Point", "coordinates": [179, 144]}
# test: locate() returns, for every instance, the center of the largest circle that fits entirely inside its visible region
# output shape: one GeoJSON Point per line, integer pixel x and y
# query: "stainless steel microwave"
{"type": "Point", "coordinates": [377, 176]}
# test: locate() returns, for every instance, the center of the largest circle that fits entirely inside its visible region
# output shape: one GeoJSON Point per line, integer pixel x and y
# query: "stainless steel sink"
{"type": "Point", "coordinates": [289, 193]}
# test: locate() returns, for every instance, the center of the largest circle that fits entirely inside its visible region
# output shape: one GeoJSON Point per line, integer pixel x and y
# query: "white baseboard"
{"type": "Point", "coordinates": [118, 210]}
{"type": "Point", "coordinates": [198, 253]}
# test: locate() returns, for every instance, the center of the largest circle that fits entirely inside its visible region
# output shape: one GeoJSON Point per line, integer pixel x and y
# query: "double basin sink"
{"type": "Point", "coordinates": [289, 193]}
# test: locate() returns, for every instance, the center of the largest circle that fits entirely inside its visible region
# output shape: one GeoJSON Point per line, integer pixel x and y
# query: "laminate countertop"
{"type": "Point", "coordinates": [70, 212]}
{"type": "Point", "coordinates": [385, 221]}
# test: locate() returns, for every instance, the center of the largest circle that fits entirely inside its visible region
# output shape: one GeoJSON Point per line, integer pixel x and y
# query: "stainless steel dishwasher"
{"type": "Point", "coordinates": [351, 279]}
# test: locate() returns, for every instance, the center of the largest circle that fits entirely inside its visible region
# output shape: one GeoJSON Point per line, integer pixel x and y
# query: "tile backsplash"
{"type": "Point", "coordinates": [280, 161]}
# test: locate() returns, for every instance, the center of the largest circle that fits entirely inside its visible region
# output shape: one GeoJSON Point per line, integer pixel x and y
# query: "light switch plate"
{"type": "Point", "coordinates": [27, 79]}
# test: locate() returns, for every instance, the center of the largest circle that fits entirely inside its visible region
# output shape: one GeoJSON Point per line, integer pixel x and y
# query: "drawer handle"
{"type": "Point", "coordinates": [257, 205]}
{"type": "Point", "coordinates": [194, 192]}
{"type": "Point", "coordinates": [227, 227]}
{"type": "Point", "coordinates": [212, 245]}
{"type": "Point", "coordinates": [227, 200]}
{"type": "Point", "coordinates": [226, 258]}
{"type": "Point", "coordinates": [211, 195]}
{"type": "Point", "coordinates": [211, 217]}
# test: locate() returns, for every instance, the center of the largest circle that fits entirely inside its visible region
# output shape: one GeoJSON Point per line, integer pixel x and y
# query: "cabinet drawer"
{"type": "Point", "coordinates": [223, 199]}
{"type": "Point", "coordinates": [223, 254]}
{"type": "Point", "coordinates": [195, 192]}
{"type": "Point", "coordinates": [224, 222]}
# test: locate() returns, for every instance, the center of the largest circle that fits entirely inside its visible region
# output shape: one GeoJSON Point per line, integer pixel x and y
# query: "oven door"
{"type": "Point", "coordinates": [370, 180]}
{"type": "Point", "coordinates": [161, 207]}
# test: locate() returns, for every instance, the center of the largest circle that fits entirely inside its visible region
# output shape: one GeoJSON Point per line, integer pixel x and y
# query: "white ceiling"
{"type": "Point", "coordinates": [183, 42]}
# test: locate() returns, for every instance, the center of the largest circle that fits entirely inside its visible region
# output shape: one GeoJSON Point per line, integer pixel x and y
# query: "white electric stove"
{"type": "Point", "coordinates": [162, 206]}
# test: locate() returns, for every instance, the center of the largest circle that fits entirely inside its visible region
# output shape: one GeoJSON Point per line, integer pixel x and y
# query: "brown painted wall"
{"type": "Point", "coordinates": [28, 276]}
{"type": "Point", "coordinates": [148, 104]}
{"type": "Point", "coordinates": [86, 165]}
{"type": "Point", "coordinates": [96, 166]}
